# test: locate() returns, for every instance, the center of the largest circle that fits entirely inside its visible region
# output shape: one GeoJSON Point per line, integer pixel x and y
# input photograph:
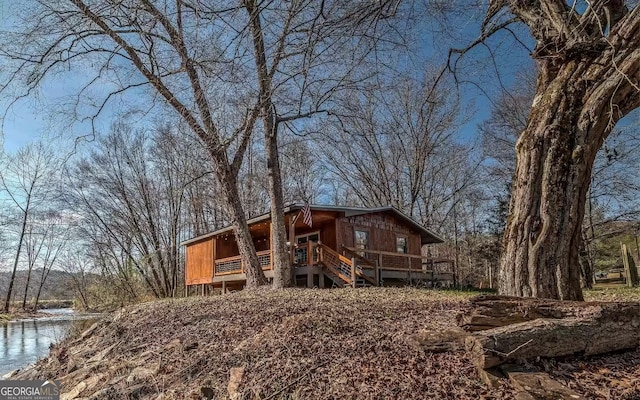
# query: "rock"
{"type": "Point", "coordinates": [235, 379]}
{"type": "Point", "coordinates": [102, 354]}
{"type": "Point", "coordinates": [10, 374]}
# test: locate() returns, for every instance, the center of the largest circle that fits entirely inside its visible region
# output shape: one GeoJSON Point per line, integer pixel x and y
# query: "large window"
{"type": "Point", "coordinates": [361, 239]}
{"type": "Point", "coordinates": [401, 244]}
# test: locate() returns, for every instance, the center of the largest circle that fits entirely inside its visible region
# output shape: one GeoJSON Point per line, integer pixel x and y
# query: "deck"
{"type": "Point", "coordinates": [354, 267]}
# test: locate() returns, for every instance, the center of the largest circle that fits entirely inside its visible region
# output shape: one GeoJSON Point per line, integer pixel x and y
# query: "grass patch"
{"type": "Point", "coordinates": [612, 293]}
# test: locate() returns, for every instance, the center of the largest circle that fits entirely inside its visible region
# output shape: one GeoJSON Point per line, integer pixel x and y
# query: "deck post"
{"type": "Point", "coordinates": [292, 238]}
{"type": "Point", "coordinates": [353, 272]}
{"type": "Point", "coordinates": [409, 260]}
{"type": "Point", "coordinates": [309, 278]}
{"type": "Point", "coordinates": [224, 287]}
{"type": "Point", "coordinates": [309, 253]}
{"type": "Point", "coordinates": [376, 271]}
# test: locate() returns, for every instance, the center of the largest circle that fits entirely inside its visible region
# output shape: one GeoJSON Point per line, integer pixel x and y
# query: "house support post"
{"type": "Point", "coordinates": [376, 270]}
{"type": "Point", "coordinates": [292, 237]}
{"type": "Point", "coordinates": [353, 272]}
{"type": "Point", "coordinates": [224, 287]}
{"type": "Point", "coordinates": [309, 278]}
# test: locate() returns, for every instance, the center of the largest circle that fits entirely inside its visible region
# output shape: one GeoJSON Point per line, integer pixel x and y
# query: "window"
{"type": "Point", "coordinates": [361, 239]}
{"type": "Point", "coordinates": [401, 244]}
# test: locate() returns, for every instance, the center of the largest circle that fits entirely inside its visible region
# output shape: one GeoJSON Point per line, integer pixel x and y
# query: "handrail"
{"type": "Point", "coordinates": [358, 257]}
{"type": "Point", "coordinates": [356, 270]}
{"type": "Point", "coordinates": [239, 259]}
{"type": "Point", "coordinates": [234, 258]}
{"type": "Point", "coordinates": [386, 253]}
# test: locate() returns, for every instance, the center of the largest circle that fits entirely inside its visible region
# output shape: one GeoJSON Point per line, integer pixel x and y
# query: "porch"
{"type": "Point", "coordinates": [318, 265]}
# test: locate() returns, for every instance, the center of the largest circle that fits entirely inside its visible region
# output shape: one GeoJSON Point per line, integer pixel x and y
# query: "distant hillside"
{"type": "Point", "coordinates": [58, 286]}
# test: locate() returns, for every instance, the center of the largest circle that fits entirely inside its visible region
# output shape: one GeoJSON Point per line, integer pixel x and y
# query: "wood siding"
{"type": "Point", "coordinates": [199, 262]}
{"type": "Point", "coordinates": [383, 230]}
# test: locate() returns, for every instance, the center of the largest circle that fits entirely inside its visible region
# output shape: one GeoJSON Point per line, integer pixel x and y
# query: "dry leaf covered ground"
{"type": "Point", "coordinates": [295, 344]}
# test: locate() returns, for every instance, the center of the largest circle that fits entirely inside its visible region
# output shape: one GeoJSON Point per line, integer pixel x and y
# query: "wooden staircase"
{"type": "Point", "coordinates": [341, 270]}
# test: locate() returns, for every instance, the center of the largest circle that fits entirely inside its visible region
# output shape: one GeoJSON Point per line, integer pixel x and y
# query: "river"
{"type": "Point", "coordinates": [23, 342]}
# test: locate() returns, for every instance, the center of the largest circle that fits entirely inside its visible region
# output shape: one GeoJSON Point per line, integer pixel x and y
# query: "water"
{"type": "Point", "coordinates": [24, 342]}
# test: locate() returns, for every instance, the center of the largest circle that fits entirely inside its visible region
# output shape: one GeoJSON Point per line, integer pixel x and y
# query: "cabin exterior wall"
{"type": "Point", "coordinates": [199, 262]}
{"type": "Point", "coordinates": [383, 231]}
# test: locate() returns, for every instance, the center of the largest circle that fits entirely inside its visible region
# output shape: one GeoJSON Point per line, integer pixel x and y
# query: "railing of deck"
{"type": "Point", "coordinates": [347, 269]}
{"type": "Point", "coordinates": [234, 265]}
{"type": "Point", "coordinates": [404, 262]}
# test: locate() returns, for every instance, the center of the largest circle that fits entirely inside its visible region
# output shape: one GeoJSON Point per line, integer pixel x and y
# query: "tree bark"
{"type": "Point", "coordinates": [588, 80]}
{"type": "Point", "coordinates": [252, 269]}
{"type": "Point", "coordinates": [542, 237]}
{"type": "Point", "coordinates": [513, 329]}
{"type": "Point", "coordinates": [280, 256]}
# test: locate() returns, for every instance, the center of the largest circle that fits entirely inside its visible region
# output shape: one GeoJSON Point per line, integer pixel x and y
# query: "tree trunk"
{"type": "Point", "coordinates": [279, 253]}
{"type": "Point", "coordinates": [586, 267]}
{"type": "Point", "coordinates": [281, 259]}
{"type": "Point", "coordinates": [252, 268]}
{"type": "Point", "coordinates": [17, 258]}
{"type": "Point", "coordinates": [555, 156]}
{"type": "Point", "coordinates": [26, 288]}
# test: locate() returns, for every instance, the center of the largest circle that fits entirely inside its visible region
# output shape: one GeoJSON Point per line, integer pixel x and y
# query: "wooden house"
{"type": "Point", "coordinates": [339, 246]}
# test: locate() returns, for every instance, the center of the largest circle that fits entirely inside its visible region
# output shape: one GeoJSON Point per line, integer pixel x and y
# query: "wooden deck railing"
{"type": "Point", "coordinates": [345, 268]}
{"type": "Point", "coordinates": [235, 265]}
{"type": "Point", "coordinates": [403, 262]}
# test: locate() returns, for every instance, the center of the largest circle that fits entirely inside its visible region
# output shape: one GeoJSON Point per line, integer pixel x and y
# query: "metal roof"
{"type": "Point", "coordinates": [426, 235]}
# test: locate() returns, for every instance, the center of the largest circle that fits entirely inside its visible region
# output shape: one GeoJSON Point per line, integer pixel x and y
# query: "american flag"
{"type": "Point", "coordinates": [306, 215]}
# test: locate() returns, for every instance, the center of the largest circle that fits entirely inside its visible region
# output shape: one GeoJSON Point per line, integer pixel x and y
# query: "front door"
{"type": "Point", "coordinates": [301, 257]}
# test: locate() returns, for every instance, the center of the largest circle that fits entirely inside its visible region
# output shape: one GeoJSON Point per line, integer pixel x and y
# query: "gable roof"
{"type": "Point", "coordinates": [426, 235]}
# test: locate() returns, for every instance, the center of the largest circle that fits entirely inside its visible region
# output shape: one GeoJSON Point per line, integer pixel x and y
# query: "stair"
{"type": "Point", "coordinates": [338, 268]}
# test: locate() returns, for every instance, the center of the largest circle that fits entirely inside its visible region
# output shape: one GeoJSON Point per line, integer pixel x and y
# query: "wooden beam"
{"type": "Point", "coordinates": [213, 266]}
{"type": "Point", "coordinates": [292, 236]}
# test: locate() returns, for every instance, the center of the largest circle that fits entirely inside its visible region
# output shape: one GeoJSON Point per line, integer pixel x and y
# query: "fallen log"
{"type": "Point", "coordinates": [494, 311]}
{"type": "Point", "coordinates": [548, 328]}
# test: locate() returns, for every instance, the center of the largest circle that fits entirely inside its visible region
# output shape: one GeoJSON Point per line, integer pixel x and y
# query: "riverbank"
{"type": "Point", "coordinates": [296, 344]}
{"type": "Point", "coordinates": [17, 313]}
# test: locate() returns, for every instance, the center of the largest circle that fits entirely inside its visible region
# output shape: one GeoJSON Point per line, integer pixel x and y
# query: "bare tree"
{"type": "Point", "coordinates": [55, 239]}
{"type": "Point", "coordinates": [34, 239]}
{"type": "Point", "coordinates": [135, 203]}
{"type": "Point", "coordinates": [25, 179]}
{"type": "Point", "coordinates": [395, 146]}
{"type": "Point", "coordinates": [81, 270]}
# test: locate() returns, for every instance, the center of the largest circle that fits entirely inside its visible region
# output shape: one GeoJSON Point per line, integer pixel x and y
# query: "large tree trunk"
{"type": "Point", "coordinates": [589, 70]}
{"type": "Point", "coordinates": [555, 156]}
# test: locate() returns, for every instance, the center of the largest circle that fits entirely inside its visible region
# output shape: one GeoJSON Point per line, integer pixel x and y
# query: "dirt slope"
{"type": "Point", "coordinates": [293, 344]}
